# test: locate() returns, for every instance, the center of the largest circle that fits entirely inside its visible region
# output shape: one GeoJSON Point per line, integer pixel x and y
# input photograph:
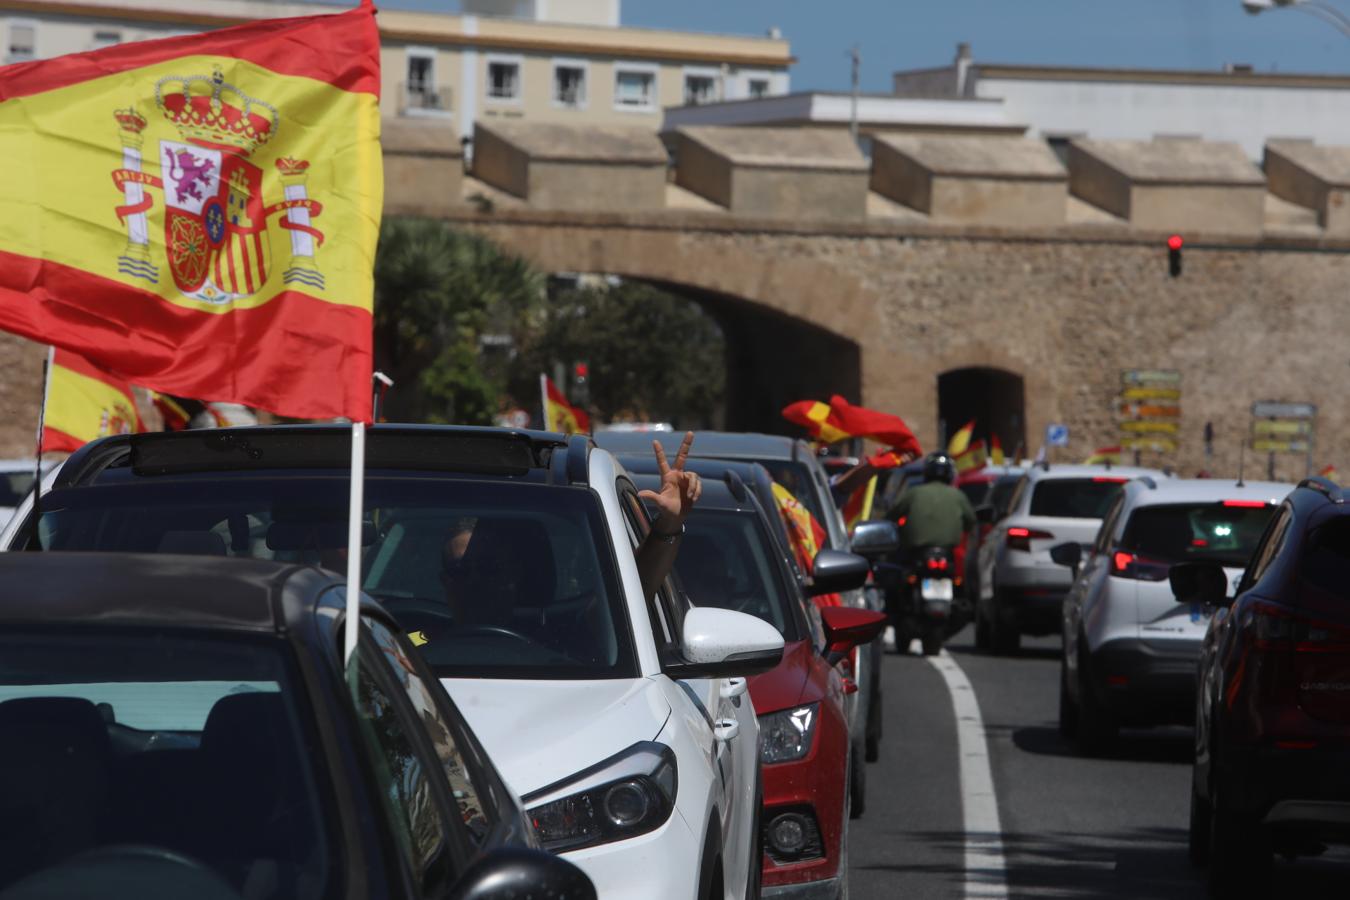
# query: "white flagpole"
{"type": "Point", "coordinates": [543, 397]}
{"type": "Point", "coordinates": [354, 541]}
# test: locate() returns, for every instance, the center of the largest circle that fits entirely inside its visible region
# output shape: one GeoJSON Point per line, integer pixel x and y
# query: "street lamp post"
{"type": "Point", "coordinates": [1324, 11]}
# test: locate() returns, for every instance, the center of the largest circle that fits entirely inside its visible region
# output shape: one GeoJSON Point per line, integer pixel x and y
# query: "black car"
{"type": "Point", "coordinates": [183, 726]}
{"type": "Point", "coordinates": [1272, 735]}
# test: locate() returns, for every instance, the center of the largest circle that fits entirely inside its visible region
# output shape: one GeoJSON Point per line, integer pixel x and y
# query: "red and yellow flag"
{"type": "Point", "coordinates": [559, 415]}
{"type": "Point", "coordinates": [996, 456]}
{"type": "Point", "coordinates": [199, 214]}
{"type": "Point", "coordinates": [840, 420]}
{"type": "Point", "coordinates": [1101, 455]}
{"type": "Point", "coordinates": [858, 507]}
{"type": "Point", "coordinates": [974, 457]}
{"type": "Point", "coordinates": [84, 403]}
{"type": "Point", "coordinates": [960, 441]}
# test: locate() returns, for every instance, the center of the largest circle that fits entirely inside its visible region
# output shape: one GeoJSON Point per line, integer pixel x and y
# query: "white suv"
{"type": "Point", "coordinates": [1020, 586]}
{"type": "Point", "coordinates": [1130, 649]}
{"type": "Point", "coordinates": [622, 720]}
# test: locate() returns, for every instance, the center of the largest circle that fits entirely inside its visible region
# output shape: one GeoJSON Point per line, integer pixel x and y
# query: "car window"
{"type": "Point", "coordinates": [1073, 498]}
{"type": "Point", "coordinates": [497, 579]}
{"type": "Point", "coordinates": [725, 561]}
{"type": "Point", "coordinates": [1019, 491]}
{"type": "Point", "coordinates": [422, 697]}
{"type": "Point", "coordinates": [665, 626]}
{"type": "Point", "coordinates": [975, 491]}
{"type": "Point", "coordinates": [14, 487]}
{"type": "Point", "coordinates": [1268, 549]}
{"type": "Point", "coordinates": [797, 478]}
{"type": "Point", "coordinates": [191, 746]}
{"type": "Point", "coordinates": [1106, 533]}
{"type": "Point", "coordinates": [407, 786]}
{"type": "Point", "coordinates": [1324, 566]}
{"type": "Point", "coordinates": [1196, 532]}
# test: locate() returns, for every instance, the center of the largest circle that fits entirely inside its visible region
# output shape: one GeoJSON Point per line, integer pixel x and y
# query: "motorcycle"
{"type": "Point", "coordinates": [920, 598]}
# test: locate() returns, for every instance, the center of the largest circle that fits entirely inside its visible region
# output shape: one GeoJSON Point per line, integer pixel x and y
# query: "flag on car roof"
{"type": "Point", "coordinates": [960, 441]}
{"type": "Point", "coordinates": [559, 415]}
{"type": "Point", "coordinates": [840, 420]}
{"type": "Point", "coordinates": [199, 214]}
{"type": "Point", "coordinates": [84, 403]}
{"type": "Point", "coordinates": [974, 457]}
{"type": "Point", "coordinates": [996, 456]}
{"type": "Point", "coordinates": [1102, 455]}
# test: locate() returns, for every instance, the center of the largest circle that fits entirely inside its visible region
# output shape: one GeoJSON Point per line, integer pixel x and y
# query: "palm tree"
{"type": "Point", "coordinates": [437, 291]}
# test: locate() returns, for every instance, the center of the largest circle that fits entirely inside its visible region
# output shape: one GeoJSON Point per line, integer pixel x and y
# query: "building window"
{"type": "Point", "coordinates": [421, 93]}
{"type": "Point", "coordinates": [106, 39]}
{"type": "Point", "coordinates": [699, 89]}
{"type": "Point", "coordinates": [503, 79]}
{"type": "Point", "coordinates": [22, 42]}
{"type": "Point", "coordinates": [569, 84]}
{"type": "Point", "coordinates": [759, 87]}
{"type": "Point", "coordinates": [635, 88]}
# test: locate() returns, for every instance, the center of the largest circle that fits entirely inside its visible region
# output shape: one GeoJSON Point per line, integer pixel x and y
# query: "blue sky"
{"type": "Point", "coordinates": [903, 34]}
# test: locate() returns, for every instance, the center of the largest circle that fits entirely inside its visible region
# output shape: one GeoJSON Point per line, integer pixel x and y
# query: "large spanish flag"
{"type": "Point", "coordinates": [83, 403]}
{"type": "Point", "coordinates": [199, 214]}
{"type": "Point", "coordinates": [840, 420]}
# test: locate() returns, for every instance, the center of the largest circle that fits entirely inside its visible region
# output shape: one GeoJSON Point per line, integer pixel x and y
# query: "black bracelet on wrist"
{"type": "Point", "coordinates": [668, 538]}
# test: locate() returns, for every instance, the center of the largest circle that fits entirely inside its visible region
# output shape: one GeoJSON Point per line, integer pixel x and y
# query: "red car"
{"type": "Point", "coordinates": [729, 559]}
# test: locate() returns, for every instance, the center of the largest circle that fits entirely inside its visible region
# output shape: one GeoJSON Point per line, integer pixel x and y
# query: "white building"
{"type": "Point", "coordinates": [1060, 103]}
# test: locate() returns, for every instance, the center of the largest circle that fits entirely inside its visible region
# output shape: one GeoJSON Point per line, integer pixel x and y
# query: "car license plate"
{"type": "Point", "coordinates": [936, 589]}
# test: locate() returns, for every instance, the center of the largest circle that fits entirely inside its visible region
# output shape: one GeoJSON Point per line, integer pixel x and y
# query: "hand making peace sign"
{"type": "Point", "coordinates": [679, 489]}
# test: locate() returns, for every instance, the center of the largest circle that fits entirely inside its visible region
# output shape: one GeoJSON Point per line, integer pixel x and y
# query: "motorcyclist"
{"type": "Point", "coordinates": [933, 514]}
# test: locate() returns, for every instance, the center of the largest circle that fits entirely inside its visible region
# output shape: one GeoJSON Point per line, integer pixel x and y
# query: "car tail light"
{"type": "Point", "coordinates": [937, 564]}
{"type": "Point", "coordinates": [1125, 564]}
{"type": "Point", "coordinates": [1246, 504]}
{"type": "Point", "coordinates": [1103, 479]}
{"type": "Point", "coordinates": [1275, 627]}
{"type": "Point", "coordinates": [1021, 538]}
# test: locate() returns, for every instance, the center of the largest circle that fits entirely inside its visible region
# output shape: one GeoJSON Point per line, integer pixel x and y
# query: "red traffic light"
{"type": "Point", "coordinates": [581, 370]}
{"type": "Point", "coordinates": [1174, 242]}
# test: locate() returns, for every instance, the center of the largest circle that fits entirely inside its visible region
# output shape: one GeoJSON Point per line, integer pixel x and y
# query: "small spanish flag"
{"type": "Point", "coordinates": [198, 214]}
{"type": "Point", "coordinates": [973, 458]}
{"type": "Point", "coordinates": [84, 403]}
{"type": "Point", "coordinates": [858, 507]}
{"type": "Point", "coordinates": [996, 456]}
{"type": "Point", "coordinates": [559, 415]}
{"type": "Point", "coordinates": [960, 441]}
{"type": "Point", "coordinates": [1112, 455]}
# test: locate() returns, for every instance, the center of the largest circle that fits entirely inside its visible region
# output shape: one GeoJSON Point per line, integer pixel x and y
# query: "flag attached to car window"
{"type": "Point", "coordinates": [199, 214]}
{"type": "Point", "coordinates": [84, 403]}
{"type": "Point", "coordinates": [559, 415]}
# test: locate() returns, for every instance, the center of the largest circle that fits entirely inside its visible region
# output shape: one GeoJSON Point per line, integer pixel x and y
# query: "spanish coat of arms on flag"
{"type": "Point", "coordinates": [199, 214]}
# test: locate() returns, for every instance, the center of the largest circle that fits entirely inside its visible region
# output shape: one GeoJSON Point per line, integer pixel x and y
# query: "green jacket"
{"type": "Point", "coordinates": [934, 514]}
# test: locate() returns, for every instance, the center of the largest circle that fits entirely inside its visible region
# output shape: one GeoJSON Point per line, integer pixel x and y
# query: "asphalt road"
{"type": "Point", "coordinates": [1073, 828]}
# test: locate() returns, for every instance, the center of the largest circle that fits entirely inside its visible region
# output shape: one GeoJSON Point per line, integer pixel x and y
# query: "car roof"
{"type": "Point", "coordinates": [708, 443]}
{"type": "Point", "coordinates": [1203, 490]}
{"type": "Point", "coordinates": [987, 474]}
{"type": "Point", "coordinates": [521, 454]}
{"type": "Point", "coordinates": [1038, 473]}
{"type": "Point", "coordinates": [155, 590]}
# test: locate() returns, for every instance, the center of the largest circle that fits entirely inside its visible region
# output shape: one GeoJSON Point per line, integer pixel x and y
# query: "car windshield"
{"type": "Point", "coordinates": [492, 579]}
{"type": "Point", "coordinates": [725, 561]}
{"type": "Point", "coordinates": [1074, 498]}
{"type": "Point", "coordinates": [129, 750]}
{"type": "Point", "coordinates": [1195, 532]}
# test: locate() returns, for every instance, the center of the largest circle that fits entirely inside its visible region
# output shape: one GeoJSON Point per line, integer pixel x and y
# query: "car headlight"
{"type": "Point", "coordinates": [628, 794]}
{"type": "Point", "coordinates": [786, 735]}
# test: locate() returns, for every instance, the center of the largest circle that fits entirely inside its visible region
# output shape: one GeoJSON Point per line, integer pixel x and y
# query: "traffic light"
{"type": "Point", "coordinates": [581, 383]}
{"type": "Point", "coordinates": [1174, 244]}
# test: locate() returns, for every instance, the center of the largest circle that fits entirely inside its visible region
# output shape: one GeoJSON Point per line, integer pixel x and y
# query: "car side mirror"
{"type": "Point", "coordinates": [1199, 582]}
{"type": "Point", "coordinates": [985, 515]}
{"type": "Point", "coordinates": [834, 571]}
{"type": "Point", "coordinates": [513, 872]}
{"type": "Point", "coordinates": [846, 628]}
{"type": "Point", "coordinates": [723, 643]}
{"type": "Point", "coordinates": [875, 539]}
{"type": "Point", "coordinates": [1069, 555]}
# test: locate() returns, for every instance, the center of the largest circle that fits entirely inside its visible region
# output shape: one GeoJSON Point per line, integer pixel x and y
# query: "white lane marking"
{"type": "Point", "coordinates": [986, 868]}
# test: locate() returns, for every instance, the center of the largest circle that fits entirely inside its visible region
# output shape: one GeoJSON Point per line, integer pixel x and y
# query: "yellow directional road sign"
{"type": "Point", "coordinates": [1280, 446]}
{"type": "Point", "coordinates": [1151, 393]}
{"type": "Point", "coordinates": [1147, 427]}
{"type": "Point", "coordinates": [1273, 427]}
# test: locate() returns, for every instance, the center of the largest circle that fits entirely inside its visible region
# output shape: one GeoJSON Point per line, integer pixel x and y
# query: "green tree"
{"type": "Point", "coordinates": [437, 291]}
{"type": "Point", "coordinates": [652, 356]}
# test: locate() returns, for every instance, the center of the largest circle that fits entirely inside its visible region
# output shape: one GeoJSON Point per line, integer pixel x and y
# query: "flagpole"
{"type": "Point", "coordinates": [543, 400]}
{"type": "Point", "coordinates": [354, 512]}
{"type": "Point", "coordinates": [37, 464]}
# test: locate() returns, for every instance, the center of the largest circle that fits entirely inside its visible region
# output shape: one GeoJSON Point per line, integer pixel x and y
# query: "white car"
{"type": "Point", "coordinates": [1130, 649]}
{"type": "Point", "coordinates": [16, 480]}
{"type": "Point", "coordinates": [1020, 588]}
{"type": "Point", "coordinates": [622, 721]}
